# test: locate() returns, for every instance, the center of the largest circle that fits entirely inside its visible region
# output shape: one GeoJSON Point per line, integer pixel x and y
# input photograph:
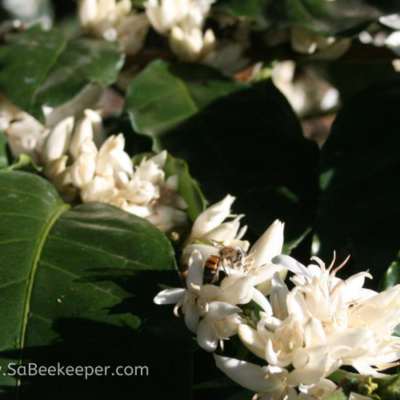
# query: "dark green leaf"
{"type": "Point", "coordinates": [84, 61]}
{"type": "Point", "coordinates": [188, 188]}
{"type": "Point", "coordinates": [163, 95]}
{"type": "Point", "coordinates": [76, 288]}
{"type": "Point", "coordinates": [249, 9]}
{"type": "Point", "coordinates": [346, 77]}
{"type": "Point", "coordinates": [249, 143]}
{"type": "Point", "coordinates": [42, 68]}
{"type": "Point", "coordinates": [329, 17]}
{"type": "Point", "coordinates": [25, 62]}
{"type": "Point", "coordinates": [3, 151]}
{"type": "Point", "coordinates": [359, 209]}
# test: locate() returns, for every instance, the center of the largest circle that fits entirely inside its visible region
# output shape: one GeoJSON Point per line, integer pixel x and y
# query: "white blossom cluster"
{"type": "Point", "coordinates": [81, 162]}
{"type": "Point", "coordinates": [303, 334]}
{"type": "Point", "coordinates": [180, 21]}
{"type": "Point", "coordinates": [212, 311]}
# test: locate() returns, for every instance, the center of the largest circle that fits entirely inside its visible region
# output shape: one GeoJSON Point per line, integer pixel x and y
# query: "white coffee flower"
{"type": "Point", "coordinates": [210, 225]}
{"type": "Point", "coordinates": [269, 382]}
{"type": "Point", "coordinates": [114, 20]}
{"type": "Point", "coordinates": [24, 133]}
{"type": "Point", "coordinates": [324, 323]}
{"type": "Point", "coordinates": [211, 311]}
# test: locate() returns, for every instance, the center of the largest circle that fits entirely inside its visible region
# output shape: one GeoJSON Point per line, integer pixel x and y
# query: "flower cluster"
{"type": "Point", "coordinates": [323, 323]}
{"type": "Point", "coordinates": [304, 334]}
{"type": "Point", "coordinates": [180, 21]}
{"type": "Point", "coordinates": [81, 162]}
{"type": "Point", "coordinates": [211, 307]}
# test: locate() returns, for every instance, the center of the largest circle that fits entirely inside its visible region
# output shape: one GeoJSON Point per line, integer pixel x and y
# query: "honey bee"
{"type": "Point", "coordinates": [226, 257]}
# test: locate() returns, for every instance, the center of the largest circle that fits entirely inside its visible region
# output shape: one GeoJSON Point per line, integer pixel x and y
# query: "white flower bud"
{"type": "Point", "coordinates": [56, 167]}
{"type": "Point", "coordinates": [211, 218]}
{"type": "Point", "coordinates": [82, 132]}
{"type": "Point", "coordinates": [191, 45]}
{"type": "Point", "coordinates": [83, 170]}
{"type": "Point", "coordinates": [57, 142]}
{"type": "Point", "coordinates": [99, 189]}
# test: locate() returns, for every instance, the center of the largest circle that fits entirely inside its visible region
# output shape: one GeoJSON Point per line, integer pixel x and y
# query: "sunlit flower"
{"type": "Point", "coordinates": [211, 311]}
{"type": "Point", "coordinates": [324, 323]}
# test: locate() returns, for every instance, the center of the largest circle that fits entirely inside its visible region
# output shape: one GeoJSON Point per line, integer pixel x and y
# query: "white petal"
{"type": "Point", "coordinates": [195, 273]}
{"type": "Point", "coordinates": [206, 338]}
{"type": "Point", "coordinates": [192, 317]}
{"type": "Point", "coordinates": [251, 339]}
{"type": "Point", "coordinates": [248, 375]}
{"type": "Point", "coordinates": [262, 301]}
{"type": "Point", "coordinates": [219, 310]}
{"type": "Point", "coordinates": [169, 296]}
{"type": "Point", "coordinates": [269, 245]}
{"type": "Point", "coordinates": [293, 266]}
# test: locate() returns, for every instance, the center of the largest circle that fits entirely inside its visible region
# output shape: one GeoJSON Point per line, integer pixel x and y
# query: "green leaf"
{"type": "Point", "coordinates": [188, 187]}
{"type": "Point", "coordinates": [84, 62]}
{"type": "Point", "coordinates": [249, 143]}
{"type": "Point", "coordinates": [328, 17]}
{"type": "Point", "coordinates": [3, 151]}
{"type": "Point", "coordinates": [392, 276]}
{"type": "Point", "coordinates": [359, 209]}
{"type": "Point", "coordinates": [43, 68]}
{"type": "Point", "coordinates": [163, 95]}
{"type": "Point", "coordinates": [76, 287]}
{"type": "Point", "coordinates": [26, 61]}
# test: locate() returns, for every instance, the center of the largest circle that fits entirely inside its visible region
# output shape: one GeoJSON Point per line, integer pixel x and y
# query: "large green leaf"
{"type": "Point", "coordinates": [25, 62]}
{"type": "Point", "coordinates": [83, 62]}
{"type": "Point", "coordinates": [329, 17]}
{"type": "Point", "coordinates": [76, 287]}
{"type": "Point", "coordinates": [43, 68]}
{"type": "Point", "coordinates": [359, 209]}
{"type": "Point", "coordinates": [247, 142]}
{"type": "Point", "coordinates": [164, 95]}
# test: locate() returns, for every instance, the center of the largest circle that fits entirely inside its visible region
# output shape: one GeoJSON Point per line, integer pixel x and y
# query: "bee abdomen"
{"type": "Point", "coordinates": [210, 269]}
